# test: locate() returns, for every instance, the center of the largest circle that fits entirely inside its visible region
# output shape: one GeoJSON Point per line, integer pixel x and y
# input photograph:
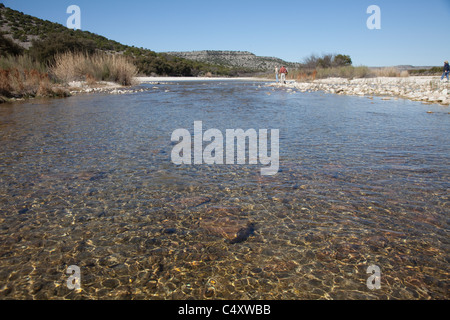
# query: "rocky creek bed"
{"type": "Point", "coordinates": [88, 181]}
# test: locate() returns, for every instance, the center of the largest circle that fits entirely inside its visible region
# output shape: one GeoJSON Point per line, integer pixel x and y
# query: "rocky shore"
{"type": "Point", "coordinates": [425, 89]}
{"type": "Point", "coordinates": [78, 87]}
{"type": "Point", "coordinates": [83, 87]}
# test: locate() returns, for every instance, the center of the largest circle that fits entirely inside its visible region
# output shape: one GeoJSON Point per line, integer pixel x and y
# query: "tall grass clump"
{"type": "Point", "coordinates": [302, 74]}
{"type": "Point", "coordinates": [349, 72]}
{"type": "Point", "coordinates": [72, 66]}
{"type": "Point", "coordinates": [387, 72]}
{"type": "Point", "coordinates": [20, 76]}
{"type": "Point", "coordinates": [327, 66]}
{"type": "Point", "coordinates": [404, 74]}
{"type": "Point", "coordinates": [20, 62]}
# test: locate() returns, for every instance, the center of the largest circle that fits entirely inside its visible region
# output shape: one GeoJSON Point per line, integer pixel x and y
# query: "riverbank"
{"type": "Point", "coordinates": [70, 89]}
{"type": "Point", "coordinates": [77, 87]}
{"type": "Point", "coordinates": [82, 87]}
{"type": "Point", "coordinates": [427, 89]}
{"type": "Point", "coordinates": [24, 77]}
{"type": "Point", "coordinates": [171, 79]}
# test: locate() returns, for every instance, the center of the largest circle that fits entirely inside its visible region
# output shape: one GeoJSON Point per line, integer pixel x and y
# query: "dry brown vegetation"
{"type": "Point", "coordinates": [339, 66]}
{"type": "Point", "coordinates": [93, 67]}
{"type": "Point", "coordinates": [387, 72]}
{"type": "Point", "coordinates": [349, 72]}
{"type": "Point", "coordinates": [22, 77]}
{"type": "Point", "coordinates": [15, 83]}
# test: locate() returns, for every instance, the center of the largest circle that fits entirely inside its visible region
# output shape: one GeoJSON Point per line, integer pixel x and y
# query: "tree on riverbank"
{"type": "Point", "coordinates": [327, 65]}
{"type": "Point", "coordinates": [326, 61]}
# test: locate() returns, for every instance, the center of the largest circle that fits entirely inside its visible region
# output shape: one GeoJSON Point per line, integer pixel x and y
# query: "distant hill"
{"type": "Point", "coordinates": [43, 38]}
{"type": "Point", "coordinates": [413, 70]}
{"type": "Point", "coordinates": [240, 59]}
{"type": "Point", "coordinates": [23, 29]}
{"type": "Point", "coordinates": [407, 67]}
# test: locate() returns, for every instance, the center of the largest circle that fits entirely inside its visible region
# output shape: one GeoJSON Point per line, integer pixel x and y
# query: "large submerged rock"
{"type": "Point", "coordinates": [67, 176]}
{"type": "Point", "coordinates": [227, 223]}
{"type": "Point", "coordinates": [193, 201]}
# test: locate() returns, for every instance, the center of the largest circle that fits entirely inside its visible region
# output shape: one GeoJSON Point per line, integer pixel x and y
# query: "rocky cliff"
{"type": "Point", "coordinates": [241, 59]}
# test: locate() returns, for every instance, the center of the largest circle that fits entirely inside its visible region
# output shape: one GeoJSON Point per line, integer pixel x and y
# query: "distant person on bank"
{"type": "Point", "coordinates": [446, 70]}
{"type": "Point", "coordinates": [276, 73]}
{"type": "Point", "coordinates": [283, 73]}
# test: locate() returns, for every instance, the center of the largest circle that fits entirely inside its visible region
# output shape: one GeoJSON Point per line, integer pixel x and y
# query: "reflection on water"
{"type": "Point", "coordinates": [88, 181]}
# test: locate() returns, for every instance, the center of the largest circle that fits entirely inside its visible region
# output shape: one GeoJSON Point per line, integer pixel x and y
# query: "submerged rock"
{"type": "Point", "coordinates": [191, 201]}
{"type": "Point", "coordinates": [279, 265]}
{"type": "Point", "coordinates": [243, 233]}
{"type": "Point", "coordinates": [225, 223]}
{"type": "Point", "coordinates": [81, 175]}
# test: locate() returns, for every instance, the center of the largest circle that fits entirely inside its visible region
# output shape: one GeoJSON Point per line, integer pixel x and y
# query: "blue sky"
{"type": "Point", "coordinates": [414, 32]}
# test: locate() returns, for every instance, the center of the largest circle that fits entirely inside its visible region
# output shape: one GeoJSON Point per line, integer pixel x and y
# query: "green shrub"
{"type": "Point", "coordinates": [9, 47]}
{"type": "Point", "coordinates": [327, 61]}
{"type": "Point", "coordinates": [45, 50]}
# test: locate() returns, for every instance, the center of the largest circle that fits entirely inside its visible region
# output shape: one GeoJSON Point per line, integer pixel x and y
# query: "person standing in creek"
{"type": "Point", "coordinates": [276, 73]}
{"type": "Point", "coordinates": [283, 72]}
{"type": "Point", "coordinates": [446, 70]}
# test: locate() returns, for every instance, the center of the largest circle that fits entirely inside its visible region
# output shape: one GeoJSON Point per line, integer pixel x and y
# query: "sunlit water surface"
{"type": "Point", "coordinates": [88, 181]}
